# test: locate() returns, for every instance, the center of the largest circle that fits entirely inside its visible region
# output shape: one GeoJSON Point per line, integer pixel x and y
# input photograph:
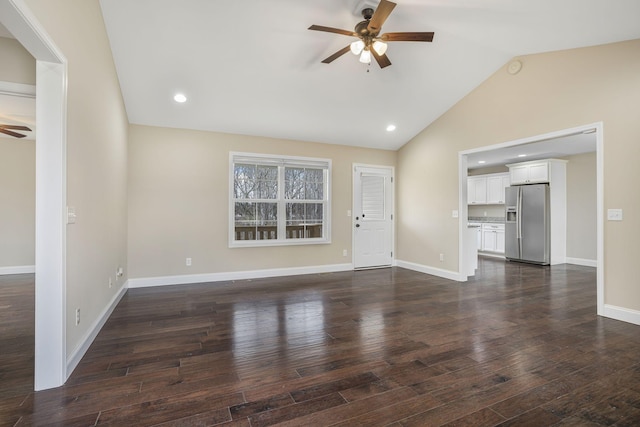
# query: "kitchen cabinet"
{"type": "Point", "coordinates": [495, 188]}
{"type": "Point", "coordinates": [529, 173]}
{"type": "Point", "coordinates": [478, 227]}
{"type": "Point", "coordinates": [493, 238]}
{"type": "Point", "coordinates": [476, 190]}
{"type": "Point", "coordinates": [487, 189]}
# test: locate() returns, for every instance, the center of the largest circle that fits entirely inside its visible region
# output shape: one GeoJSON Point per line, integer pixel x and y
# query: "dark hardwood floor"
{"type": "Point", "coordinates": [519, 345]}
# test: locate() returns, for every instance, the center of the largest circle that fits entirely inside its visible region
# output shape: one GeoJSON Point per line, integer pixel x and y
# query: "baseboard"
{"type": "Point", "coordinates": [491, 255]}
{"type": "Point", "coordinates": [621, 313]}
{"type": "Point", "coordinates": [446, 274]}
{"type": "Point", "coordinates": [235, 275]}
{"type": "Point", "coordinates": [87, 340]}
{"type": "Point", "coordinates": [583, 262]}
{"type": "Point", "coordinates": [19, 269]}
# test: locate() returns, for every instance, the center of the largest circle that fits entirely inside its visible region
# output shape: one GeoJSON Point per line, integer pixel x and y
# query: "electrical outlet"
{"type": "Point", "coordinates": [77, 316]}
{"type": "Point", "coordinates": [110, 282]}
{"type": "Point", "coordinates": [441, 257]}
{"type": "Point", "coordinates": [344, 252]}
{"type": "Point", "coordinates": [188, 262]}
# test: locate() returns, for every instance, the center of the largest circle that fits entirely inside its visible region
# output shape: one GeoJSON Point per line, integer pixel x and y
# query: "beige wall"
{"type": "Point", "coordinates": [18, 196]}
{"type": "Point", "coordinates": [179, 202]}
{"type": "Point", "coordinates": [553, 91]}
{"type": "Point", "coordinates": [582, 207]}
{"type": "Point", "coordinates": [17, 169]}
{"type": "Point", "coordinates": [17, 65]}
{"type": "Point", "coordinates": [96, 159]}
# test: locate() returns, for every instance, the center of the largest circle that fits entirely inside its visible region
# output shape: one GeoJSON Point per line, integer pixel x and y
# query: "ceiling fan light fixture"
{"type": "Point", "coordinates": [379, 47]}
{"type": "Point", "coordinates": [357, 47]}
{"type": "Point", "coordinates": [365, 57]}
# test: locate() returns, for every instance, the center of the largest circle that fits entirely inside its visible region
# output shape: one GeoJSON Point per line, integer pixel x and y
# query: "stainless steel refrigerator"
{"type": "Point", "coordinates": [527, 224]}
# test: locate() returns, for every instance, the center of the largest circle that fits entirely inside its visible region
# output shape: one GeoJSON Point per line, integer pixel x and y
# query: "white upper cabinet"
{"type": "Point", "coordinates": [476, 190]}
{"type": "Point", "coordinates": [487, 189]}
{"type": "Point", "coordinates": [529, 173]}
{"type": "Point", "coordinates": [495, 188]}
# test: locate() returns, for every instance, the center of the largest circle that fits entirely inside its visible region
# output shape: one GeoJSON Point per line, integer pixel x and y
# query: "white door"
{"type": "Point", "coordinates": [372, 216]}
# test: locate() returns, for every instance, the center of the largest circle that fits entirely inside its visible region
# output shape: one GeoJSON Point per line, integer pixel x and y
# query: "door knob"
{"type": "Point", "coordinates": [357, 225]}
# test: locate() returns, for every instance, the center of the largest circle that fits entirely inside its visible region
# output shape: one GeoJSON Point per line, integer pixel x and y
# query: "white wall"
{"type": "Point", "coordinates": [17, 171]}
{"type": "Point", "coordinates": [17, 65]}
{"type": "Point", "coordinates": [581, 207]}
{"type": "Point", "coordinates": [18, 196]}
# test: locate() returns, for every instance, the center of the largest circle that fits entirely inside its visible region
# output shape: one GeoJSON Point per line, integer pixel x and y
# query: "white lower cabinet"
{"type": "Point", "coordinates": [493, 238]}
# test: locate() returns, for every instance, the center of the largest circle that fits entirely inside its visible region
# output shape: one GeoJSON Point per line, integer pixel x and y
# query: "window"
{"type": "Point", "coordinates": [278, 200]}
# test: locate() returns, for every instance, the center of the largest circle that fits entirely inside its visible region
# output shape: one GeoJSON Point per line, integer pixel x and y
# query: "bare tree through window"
{"type": "Point", "coordinates": [267, 196]}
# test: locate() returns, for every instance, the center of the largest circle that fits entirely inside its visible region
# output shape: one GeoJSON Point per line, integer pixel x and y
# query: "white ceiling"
{"type": "Point", "coordinates": [252, 67]}
{"type": "Point", "coordinates": [546, 149]}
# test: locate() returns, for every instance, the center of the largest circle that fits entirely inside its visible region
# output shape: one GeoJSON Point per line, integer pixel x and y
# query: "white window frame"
{"type": "Point", "coordinates": [281, 162]}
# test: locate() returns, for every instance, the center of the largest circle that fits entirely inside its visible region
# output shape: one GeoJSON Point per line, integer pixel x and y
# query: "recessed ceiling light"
{"type": "Point", "coordinates": [179, 98]}
{"type": "Point", "coordinates": [522, 155]}
{"type": "Point", "coordinates": [482, 162]}
{"type": "Point", "coordinates": [391, 128]}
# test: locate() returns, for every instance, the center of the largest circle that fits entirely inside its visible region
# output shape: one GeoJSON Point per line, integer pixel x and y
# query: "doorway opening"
{"type": "Point", "coordinates": [50, 367]}
{"type": "Point", "coordinates": [593, 131]}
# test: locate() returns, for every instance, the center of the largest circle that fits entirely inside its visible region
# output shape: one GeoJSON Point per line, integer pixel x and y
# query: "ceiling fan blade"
{"type": "Point", "coordinates": [14, 127]}
{"type": "Point", "coordinates": [380, 15]}
{"type": "Point", "coordinates": [8, 132]}
{"type": "Point", "coordinates": [407, 37]}
{"type": "Point", "coordinates": [382, 60]}
{"type": "Point", "coordinates": [332, 30]}
{"type": "Point", "coordinates": [337, 55]}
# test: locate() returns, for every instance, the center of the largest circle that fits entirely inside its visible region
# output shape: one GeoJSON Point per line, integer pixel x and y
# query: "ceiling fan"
{"type": "Point", "coordinates": [370, 42]}
{"type": "Point", "coordinates": [8, 130]}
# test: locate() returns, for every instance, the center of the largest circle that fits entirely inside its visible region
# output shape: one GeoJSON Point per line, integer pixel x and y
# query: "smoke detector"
{"type": "Point", "coordinates": [364, 4]}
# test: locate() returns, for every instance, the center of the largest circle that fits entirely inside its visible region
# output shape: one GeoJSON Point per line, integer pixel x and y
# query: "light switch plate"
{"type": "Point", "coordinates": [614, 214]}
{"type": "Point", "coordinates": [71, 215]}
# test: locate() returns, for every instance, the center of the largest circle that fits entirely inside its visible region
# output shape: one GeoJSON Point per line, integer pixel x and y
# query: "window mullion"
{"type": "Point", "coordinates": [282, 220]}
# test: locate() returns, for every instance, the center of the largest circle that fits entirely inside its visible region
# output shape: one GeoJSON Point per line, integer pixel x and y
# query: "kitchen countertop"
{"type": "Point", "coordinates": [487, 219]}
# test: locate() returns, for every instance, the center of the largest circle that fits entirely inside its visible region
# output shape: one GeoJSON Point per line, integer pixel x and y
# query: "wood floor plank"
{"type": "Point", "coordinates": [515, 345]}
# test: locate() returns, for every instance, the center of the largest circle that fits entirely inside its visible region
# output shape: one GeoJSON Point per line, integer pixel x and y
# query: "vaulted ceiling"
{"type": "Point", "coordinates": [252, 67]}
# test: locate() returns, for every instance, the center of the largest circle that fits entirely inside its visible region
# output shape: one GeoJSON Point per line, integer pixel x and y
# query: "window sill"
{"type": "Point", "coordinates": [272, 243]}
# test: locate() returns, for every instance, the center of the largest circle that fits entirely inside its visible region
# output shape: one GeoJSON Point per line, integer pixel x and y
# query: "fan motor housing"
{"type": "Point", "coordinates": [365, 4]}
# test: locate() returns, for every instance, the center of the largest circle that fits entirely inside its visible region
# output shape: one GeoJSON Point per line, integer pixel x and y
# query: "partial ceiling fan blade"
{"type": "Point", "coordinates": [337, 55]}
{"type": "Point", "coordinates": [14, 127]}
{"type": "Point", "coordinates": [407, 37]}
{"type": "Point", "coordinates": [332, 30]}
{"type": "Point", "coordinates": [382, 60]}
{"type": "Point", "coordinates": [8, 132]}
{"type": "Point", "coordinates": [381, 14]}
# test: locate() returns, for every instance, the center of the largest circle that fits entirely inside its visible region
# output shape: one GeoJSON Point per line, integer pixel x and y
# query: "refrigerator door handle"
{"type": "Point", "coordinates": [519, 222]}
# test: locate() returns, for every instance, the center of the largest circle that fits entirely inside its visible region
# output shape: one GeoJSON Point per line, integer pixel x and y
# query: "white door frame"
{"type": "Point", "coordinates": [393, 207]}
{"type": "Point", "coordinates": [462, 199]}
{"type": "Point", "coordinates": [51, 108]}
